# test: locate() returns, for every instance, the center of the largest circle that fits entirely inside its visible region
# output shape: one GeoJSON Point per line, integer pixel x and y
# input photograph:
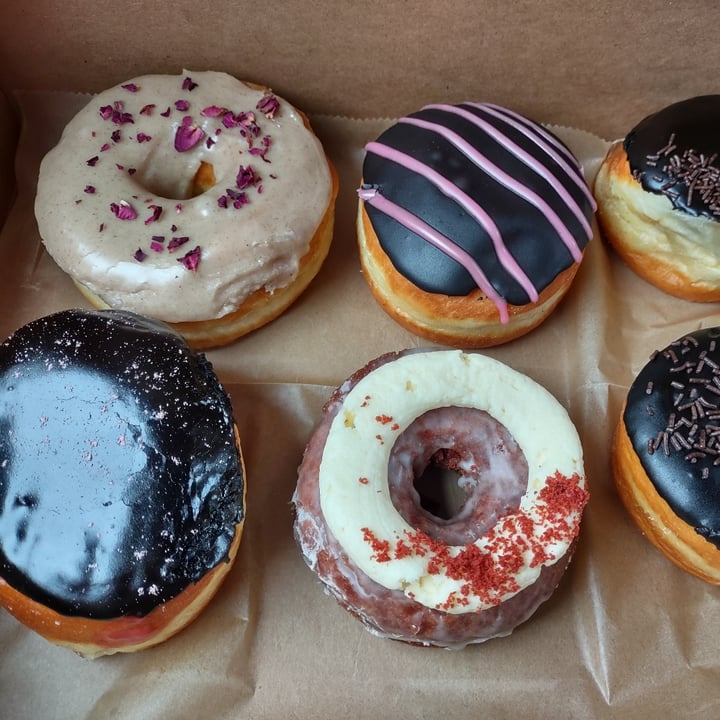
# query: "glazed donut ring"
{"type": "Point", "coordinates": [658, 196]}
{"type": "Point", "coordinates": [436, 585]}
{"type": "Point", "coordinates": [666, 452]}
{"type": "Point", "coordinates": [198, 200]}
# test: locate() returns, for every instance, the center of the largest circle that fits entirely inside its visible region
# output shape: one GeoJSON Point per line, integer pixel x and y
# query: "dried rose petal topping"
{"type": "Point", "coordinates": [132, 171]}
{"type": "Point", "coordinates": [105, 147]}
{"type": "Point", "coordinates": [147, 109]}
{"type": "Point", "coordinates": [123, 210]}
{"type": "Point", "coordinates": [130, 87]}
{"type": "Point", "coordinates": [178, 209]}
{"type": "Point", "coordinates": [143, 137]}
{"type": "Point", "coordinates": [229, 120]}
{"type": "Point", "coordinates": [262, 152]}
{"type": "Point", "coordinates": [156, 213]}
{"type": "Point", "coordinates": [182, 105]}
{"type": "Point", "coordinates": [213, 111]}
{"type": "Point", "coordinates": [247, 177]}
{"type": "Point", "coordinates": [209, 143]}
{"type": "Point", "coordinates": [116, 113]}
{"type": "Point", "coordinates": [115, 136]}
{"type": "Point", "coordinates": [268, 105]}
{"type": "Point", "coordinates": [191, 259]}
{"type": "Point", "coordinates": [91, 162]}
{"type": "Point", "coordinates": [157, 243]}
{"type": "Point", "coordinates": [176, 242]}
{"type": "Point", "coordinates": [89, 189]}
{"type": "Point", "coordinates": [167, 112]}
{"type": "Point", "coordinates": [139, 255]}
{"type": "Point", "coordinates": [188, 135]}
{"type": "Point", "coordinates": [188, 84]}
{"type": "Point", "coordinates": [222, 201]}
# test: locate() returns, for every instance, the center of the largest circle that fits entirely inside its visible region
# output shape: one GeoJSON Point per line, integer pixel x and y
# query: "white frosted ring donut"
{"type": "Point", "coordinates": [355, 497]}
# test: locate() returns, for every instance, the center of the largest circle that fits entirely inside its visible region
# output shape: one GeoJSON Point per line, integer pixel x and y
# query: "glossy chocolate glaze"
{"type": "Point", "coordinates": [674, 153]}
{"type": "Point", "coordinates": [672, 418]}
{"type": "Point", "coordinates": [526, 231]}
{"type": "Point", "coordinates": [120, 480]}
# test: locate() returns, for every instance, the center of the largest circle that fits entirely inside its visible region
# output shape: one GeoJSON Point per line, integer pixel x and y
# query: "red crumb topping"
{"type": "Point", "coordinates": [381, 548]}
{"type": "Point", "coordinates": [379, 438]}
{"type": "Point", "coordinates": [365, 401]}
{"type": "Point", "coordinates": [490, 573]}
{"type": "Point", "coordinates": [384, 419]}
{"type": "Point", "coordinates": [363, 480]}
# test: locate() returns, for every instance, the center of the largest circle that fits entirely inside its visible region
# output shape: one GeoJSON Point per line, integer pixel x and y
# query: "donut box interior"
{"type": "Point", "coordinates": [626, 634]}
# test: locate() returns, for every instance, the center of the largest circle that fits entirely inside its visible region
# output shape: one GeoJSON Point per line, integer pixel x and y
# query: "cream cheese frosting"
{"type": "Point", "coordinates": [115, 205]}
{"type": "Point", "coordinates": [355, 497]}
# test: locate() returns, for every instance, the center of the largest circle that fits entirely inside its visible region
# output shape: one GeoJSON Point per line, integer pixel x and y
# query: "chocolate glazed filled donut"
{"type": "Point", "coordinates": [122, 484]}
{"type": "Point", "coordinates": [666, 452]}
{"type": "Point", "coordinates": [472, 222]}
{"type": "Point", "coordinates": [463, 573]}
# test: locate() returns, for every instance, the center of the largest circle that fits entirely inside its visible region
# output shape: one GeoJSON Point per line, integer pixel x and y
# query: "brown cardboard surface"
{"type": "Point", "coordinates": [599, 66]}
{"type": "Point", "coordinates": [626, 635]}
{"type": "Point", "coordinates": [8, 141]}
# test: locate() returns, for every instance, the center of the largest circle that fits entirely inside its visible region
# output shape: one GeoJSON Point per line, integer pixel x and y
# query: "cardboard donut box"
{"type": "Point", "coordinates": [626, 634]}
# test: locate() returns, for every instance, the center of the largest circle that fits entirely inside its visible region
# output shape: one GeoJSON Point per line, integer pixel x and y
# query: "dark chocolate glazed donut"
{"type": "Point", "coordinates": [473, 195]}
{"type": "Point", "coordinates": [674, 152]}
{"type": "Point", "coordinates": [120, 478]}
{"type": "Point", "coordinates": [672, 418]}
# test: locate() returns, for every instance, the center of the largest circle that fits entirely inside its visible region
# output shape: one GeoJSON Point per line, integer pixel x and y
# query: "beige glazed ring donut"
{"type": "Point", "coordinates": [406, 573]}
{"type": "Point", "coordinates": [198, 200]}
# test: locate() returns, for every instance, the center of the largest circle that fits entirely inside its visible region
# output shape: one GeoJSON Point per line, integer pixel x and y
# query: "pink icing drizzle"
{"type": "Point", "coordinates": [440, 241]}
{"type": "Point", "coordinates": [454, 192]}
{"type": "Point", "coordinates": [537, 133]}
{"type": "Point", "coordinates": [502, 177]}
{"type": "Point", "coordinates": [542, 170]}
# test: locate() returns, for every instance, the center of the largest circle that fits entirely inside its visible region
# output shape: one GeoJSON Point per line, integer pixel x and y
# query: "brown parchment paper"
{"type": "Point", "coordinates": [626, 634]}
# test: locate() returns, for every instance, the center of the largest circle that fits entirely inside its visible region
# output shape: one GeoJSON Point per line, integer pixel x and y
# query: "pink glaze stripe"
{"type": "Point", "coordinates": [467, 203]}
{"type": "Point", "coordinates": [503, 178]}
{"type": "Point", "coordinates": [373, 197]}
{"type": "Point", "coordinates": [529, 128]}
{"type": "Point", "coordinates": [537, 134]}
{"type": "Point", "coordinates": [542, 170]}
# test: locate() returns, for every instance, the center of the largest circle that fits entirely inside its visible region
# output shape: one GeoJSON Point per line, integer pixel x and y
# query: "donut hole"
{"type": "Point", "coordinates": [442, 492]}
{"type": "Point", "coordinates": [454, 472]}
{"type": "Point", "coordinates": [178, 187]}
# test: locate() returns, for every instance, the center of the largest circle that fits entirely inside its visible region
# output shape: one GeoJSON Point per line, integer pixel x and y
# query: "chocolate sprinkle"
{"type": "Point", "coordinates": [675, 153]}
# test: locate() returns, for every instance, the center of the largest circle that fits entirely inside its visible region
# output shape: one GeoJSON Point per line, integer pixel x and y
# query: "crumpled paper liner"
{"type": "Point", "coordinates": [625, 635]}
